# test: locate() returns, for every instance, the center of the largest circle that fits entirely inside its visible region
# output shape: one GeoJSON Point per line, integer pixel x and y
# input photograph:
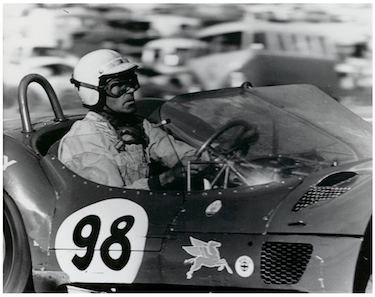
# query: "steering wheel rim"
{"type": "Point", "coordinates": [248, 126]}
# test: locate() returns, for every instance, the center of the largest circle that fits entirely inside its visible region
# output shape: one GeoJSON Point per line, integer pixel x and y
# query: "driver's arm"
{"type": "Point", "coordinates": [172, 153]}
{"type": "Point", "coordinates": [165, 148]}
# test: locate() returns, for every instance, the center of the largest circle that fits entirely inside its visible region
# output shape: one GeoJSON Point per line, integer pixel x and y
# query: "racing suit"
{"type": "Point", "coordinates": [95, 150]}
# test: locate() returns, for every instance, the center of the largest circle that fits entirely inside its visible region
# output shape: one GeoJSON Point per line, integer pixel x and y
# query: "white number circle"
{"type": "Point", "coordinates": [103, 242]}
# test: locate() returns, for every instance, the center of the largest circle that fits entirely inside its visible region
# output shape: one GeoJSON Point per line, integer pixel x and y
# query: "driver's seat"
{"type": "Point", "coordinates": [53, 150]}
{"type": "Point", "coordinates": [43, 139]}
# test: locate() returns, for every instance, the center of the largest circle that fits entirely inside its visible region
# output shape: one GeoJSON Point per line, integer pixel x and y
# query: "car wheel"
{"type": "Point", "coordinates": [16, 253]}
{"type": "Point", "coordinates": [363, 279]}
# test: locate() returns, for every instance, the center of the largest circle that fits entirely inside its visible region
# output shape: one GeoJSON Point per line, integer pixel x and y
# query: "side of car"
{"type": "Point", "coordinates": [64, 252]}
{"type": "Point", "coordinates": [282, 235]}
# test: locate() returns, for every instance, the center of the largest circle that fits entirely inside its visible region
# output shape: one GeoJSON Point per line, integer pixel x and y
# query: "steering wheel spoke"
{"type": "Point", "coordinates": [238, 143]}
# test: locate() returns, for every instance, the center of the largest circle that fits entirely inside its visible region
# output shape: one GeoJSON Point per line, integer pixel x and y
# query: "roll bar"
{"type": "Point", "coordinates": [23, 104]}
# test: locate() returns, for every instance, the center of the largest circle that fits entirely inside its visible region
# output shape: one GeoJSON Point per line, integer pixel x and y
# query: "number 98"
{"type": "Point", "coordinates": [117, 236]}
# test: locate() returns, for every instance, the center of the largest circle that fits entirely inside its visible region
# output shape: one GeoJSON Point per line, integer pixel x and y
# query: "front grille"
{"type": "Point", "coordinates": [284, 263]}
{"type": "Point", "coordinates": [316, 194]}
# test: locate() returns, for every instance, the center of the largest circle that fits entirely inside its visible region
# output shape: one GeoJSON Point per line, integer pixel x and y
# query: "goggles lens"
{"type": "Point", "coordinates": [116, 87]}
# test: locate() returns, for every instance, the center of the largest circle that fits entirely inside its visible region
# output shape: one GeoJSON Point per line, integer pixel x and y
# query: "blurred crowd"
{"type": "Point", "coordinates": [164, 38]}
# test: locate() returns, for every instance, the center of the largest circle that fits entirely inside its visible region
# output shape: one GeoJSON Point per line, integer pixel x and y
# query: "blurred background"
{"type": "Point", "coordinates": [184, 48]}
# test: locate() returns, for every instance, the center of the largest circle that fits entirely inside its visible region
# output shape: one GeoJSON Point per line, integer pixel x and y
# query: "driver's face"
{"type": "Point", "coordinates": [123, 104]}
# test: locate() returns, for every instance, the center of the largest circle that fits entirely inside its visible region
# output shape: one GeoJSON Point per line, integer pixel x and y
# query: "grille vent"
{"type": "Point", "coordinates": [284, 263]}
{"type": "Point", "coordinates": [317, 194]}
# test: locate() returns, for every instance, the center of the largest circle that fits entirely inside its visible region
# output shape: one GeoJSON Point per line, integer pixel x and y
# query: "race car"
{"type": "Point", "coordinates": [288, 208]}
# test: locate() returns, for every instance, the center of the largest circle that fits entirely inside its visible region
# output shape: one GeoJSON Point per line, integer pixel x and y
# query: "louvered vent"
{"type": "Point", "coordinates": [317, 194]}
{"type": "Point", "coordinates": [284, 263]}
{"type": "Point", "coordinates": [330, 187]}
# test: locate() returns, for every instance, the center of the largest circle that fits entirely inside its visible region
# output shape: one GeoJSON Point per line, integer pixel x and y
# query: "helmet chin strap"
{"type": "Point", "coordinates": [110, 111]}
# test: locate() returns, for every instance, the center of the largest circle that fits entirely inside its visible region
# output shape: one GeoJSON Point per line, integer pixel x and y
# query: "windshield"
{"type": "Point", "coordinates": [292, 121]}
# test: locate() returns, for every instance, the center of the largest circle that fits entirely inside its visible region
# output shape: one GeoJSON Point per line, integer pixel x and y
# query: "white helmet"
{"type": "Point", "coordinates": [91, 67]}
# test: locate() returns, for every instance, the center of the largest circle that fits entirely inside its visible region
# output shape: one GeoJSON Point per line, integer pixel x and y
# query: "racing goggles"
{"type": "Point", "coordinates": [113, 87]}
{"type": "Point", "coordinates": [116, 87]}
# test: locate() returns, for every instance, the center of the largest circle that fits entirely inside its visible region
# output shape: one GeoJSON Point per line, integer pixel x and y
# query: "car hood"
{"type": "Point", "coordinates": [291, 119]}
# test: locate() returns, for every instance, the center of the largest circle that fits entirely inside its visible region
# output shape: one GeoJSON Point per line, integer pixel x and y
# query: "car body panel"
{"type": "Point", "coordinates": [241, 210]}
{"type": "Point", "coordinates": [234, 246]}
{"type": "Point", "coordinates": [337, 214]}
{"type": "Point", "coordinates": [36, 205]}
{"type": "Point", "coordinates": [69, 188]}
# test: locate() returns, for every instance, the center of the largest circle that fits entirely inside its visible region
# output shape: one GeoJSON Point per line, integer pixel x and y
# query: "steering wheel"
{"type": "Point", "coordinates": [249, 128]}
{"type": "Point", "coordinates": [240, 144]}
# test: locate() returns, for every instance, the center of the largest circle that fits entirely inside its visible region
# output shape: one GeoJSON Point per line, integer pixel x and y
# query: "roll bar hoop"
{"type": "Point", "coordinates": [23, 104]}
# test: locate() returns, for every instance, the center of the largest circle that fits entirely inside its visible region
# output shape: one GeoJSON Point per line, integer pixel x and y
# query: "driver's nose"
{"type": "Point", "coordinates": [133, 89]}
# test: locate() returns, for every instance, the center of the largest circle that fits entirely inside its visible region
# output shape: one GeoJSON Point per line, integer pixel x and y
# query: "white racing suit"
{"type": "Point", "coordinates": [93, 150]}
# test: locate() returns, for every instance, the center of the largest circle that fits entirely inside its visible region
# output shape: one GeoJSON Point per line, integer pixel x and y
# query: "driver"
{"type": "Point", "coordinates": [111, 145]}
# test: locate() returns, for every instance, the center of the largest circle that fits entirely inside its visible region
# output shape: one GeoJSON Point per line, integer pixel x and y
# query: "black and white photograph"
{"type": "Point", "coordinates": [187, 147]}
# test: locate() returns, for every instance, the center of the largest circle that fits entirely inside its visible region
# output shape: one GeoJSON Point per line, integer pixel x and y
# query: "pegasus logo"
{"type": "Point", "coordinates": [206, 254]}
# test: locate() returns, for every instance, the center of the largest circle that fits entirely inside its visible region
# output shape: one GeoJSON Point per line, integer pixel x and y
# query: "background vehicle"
{"type": "Point", "coordinates": [169, 25]}
{"type": "Point", "coordinates": [164, 72]}
{"type": "Point", "coordinates": [20, 50]}
{"type": "Point", "coordinates": [208, 13]}
{"type": "Point", "coordinates": [161, 84]}
{"type": "Point", "coordinates": [24, 56]}
{"type": "Point", "coordinates": [61, 23]}
{"type": "Point", "coordinates": [289, 209]}
{"type": "Point", "coordinates": [172, 54]}
{"type": "Point", "coordinates": [56, 69]}
{"type": "Point", "coordinates": [119, 30]}
{"type": "Point", "coordinates": [266, 54]}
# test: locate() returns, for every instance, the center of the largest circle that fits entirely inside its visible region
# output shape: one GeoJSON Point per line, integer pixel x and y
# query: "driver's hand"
{"type": "Point", "coordinates": [194, 168]}
{"type": "Point", "coordinates": [179, 171]}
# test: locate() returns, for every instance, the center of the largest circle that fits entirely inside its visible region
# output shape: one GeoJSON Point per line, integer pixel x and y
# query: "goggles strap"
{"type": "Point", "coordinates": [79, 84]}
